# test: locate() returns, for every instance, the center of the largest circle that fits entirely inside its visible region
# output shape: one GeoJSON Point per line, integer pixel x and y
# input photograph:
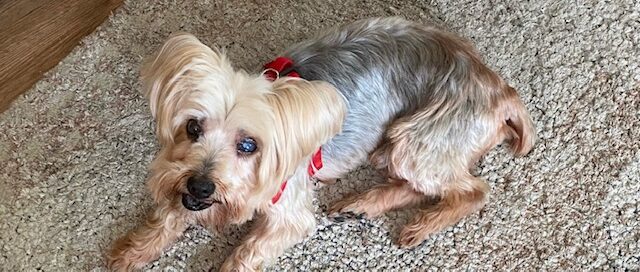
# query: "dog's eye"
{"type": "Point", "coordinates": [193, 129]}
{"type": "Point", "coordinates": [246, 146]}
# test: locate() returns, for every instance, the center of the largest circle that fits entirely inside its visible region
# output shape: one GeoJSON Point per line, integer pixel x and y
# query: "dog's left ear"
{"type": "Point", "coordinates": [307, 114]}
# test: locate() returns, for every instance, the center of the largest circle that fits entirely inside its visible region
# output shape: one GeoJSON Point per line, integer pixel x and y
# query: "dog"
{"type": "Point", "coordinates": [414, 100]}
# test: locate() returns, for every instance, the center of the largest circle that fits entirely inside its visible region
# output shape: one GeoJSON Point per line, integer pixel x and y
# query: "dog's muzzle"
{"type": "Point", "coordinates": [200, 189]}
{"type": "Point", "coordinates": [194, 204]}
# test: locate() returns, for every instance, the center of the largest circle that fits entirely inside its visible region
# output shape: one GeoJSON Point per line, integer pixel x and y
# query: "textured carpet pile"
{"type": "Point", "coordinates": [75, 148]}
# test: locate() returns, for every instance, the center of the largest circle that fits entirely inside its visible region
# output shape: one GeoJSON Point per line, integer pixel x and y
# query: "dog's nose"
{"type": "Point", "coordinates": [200, 187]}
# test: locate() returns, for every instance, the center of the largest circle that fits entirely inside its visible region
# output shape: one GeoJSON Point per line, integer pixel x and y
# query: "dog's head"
{"type": "Point", "coordinates": [228, 139]}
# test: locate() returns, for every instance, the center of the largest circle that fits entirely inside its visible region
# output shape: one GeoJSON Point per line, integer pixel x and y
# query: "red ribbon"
{"type": "Point", "coordinates": [280, 67]}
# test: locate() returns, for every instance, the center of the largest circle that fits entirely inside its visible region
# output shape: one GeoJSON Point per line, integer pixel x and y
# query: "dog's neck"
{"type": "Point", "coordinates": [280, 67]}
{"type": "Point", "coordinates": [314, 165]}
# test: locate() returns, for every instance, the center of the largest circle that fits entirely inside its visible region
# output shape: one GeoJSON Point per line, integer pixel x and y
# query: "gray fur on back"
{"type": "Point", "coordinates": [385, 68]}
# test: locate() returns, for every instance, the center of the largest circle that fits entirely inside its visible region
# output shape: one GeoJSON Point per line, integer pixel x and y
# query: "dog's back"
{"type": "Point", "coordinates": [388, 68]}
{"type": "Point", "coordinates": [423, 104]}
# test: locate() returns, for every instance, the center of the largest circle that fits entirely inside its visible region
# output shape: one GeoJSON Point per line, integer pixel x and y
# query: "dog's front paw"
{"type": "Point", "coordinates": [243, 259]}
{"type": "Point", "coordinates": [231, 265]}
{"type": "Point", "coordinates": [123, 257]}
{"type": "Point", "coordinates": [122, 261]}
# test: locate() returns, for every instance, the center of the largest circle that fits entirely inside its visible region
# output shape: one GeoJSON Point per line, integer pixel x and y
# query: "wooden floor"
{"type": "Point", "coordinates": [36, 34]}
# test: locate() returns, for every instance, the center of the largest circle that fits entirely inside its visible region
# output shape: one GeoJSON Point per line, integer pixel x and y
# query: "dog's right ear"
{"type": "Point", "coordinates": [170, 76]}
{"type": "Point", "coordinates": [307, 114]}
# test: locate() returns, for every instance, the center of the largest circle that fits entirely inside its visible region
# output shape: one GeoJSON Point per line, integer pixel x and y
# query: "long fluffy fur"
{"type": "Point", "coordinates": [416, 101]}
{"type": "Point", "coordinates": [289, 119]}
{"type": "Point", "coordinates": [423, 107]}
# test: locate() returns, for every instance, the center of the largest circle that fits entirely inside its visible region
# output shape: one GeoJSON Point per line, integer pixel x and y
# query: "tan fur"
{"type": "Point", "coordinates": [281, 227]}
{"type": "Point", "coordinates": [288, 118]}
{"type": "Point", "coordinates": [516, 117]}
{"type": "Point", "coordinates": [146, 243]}
{"type": "Point", "coordinates": [458, 200]}
{"type": "Point", "coordinates": [380, 199]}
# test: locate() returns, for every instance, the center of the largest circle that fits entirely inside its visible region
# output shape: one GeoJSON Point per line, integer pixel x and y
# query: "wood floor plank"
{"type": "Point", "coordinates": [36, 34]}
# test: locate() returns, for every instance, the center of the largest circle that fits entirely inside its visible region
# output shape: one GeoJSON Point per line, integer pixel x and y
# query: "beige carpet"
{"type": "Point", "coordinates": [74, 149]}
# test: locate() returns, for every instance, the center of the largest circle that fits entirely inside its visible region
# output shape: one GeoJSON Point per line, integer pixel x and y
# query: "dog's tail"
{"type": "Point", "coordinates": [521, 134]}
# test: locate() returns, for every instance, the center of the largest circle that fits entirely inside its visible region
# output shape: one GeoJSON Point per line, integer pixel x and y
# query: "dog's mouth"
{"type": "Point", "coordinates": [193, 204]}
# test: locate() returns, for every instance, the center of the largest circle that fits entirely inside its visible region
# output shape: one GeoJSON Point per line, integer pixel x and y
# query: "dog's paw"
{"type": "Point", "coordinates": [122, 261]}
{"type": "Point", "coordinates": [352, 207]}
{"type": "Point", "coordinates": [233, 266]}
{"type": "Point", "coordinates": [328, 181]}
{"type": "Point", "coordinates": [243, 259]}
{"type": "Point", "coordinates": [411, 237]}
{"type": "Point", "coordinates": [123, 257]}
{"type": "Point", "coordinates": [343, 217]}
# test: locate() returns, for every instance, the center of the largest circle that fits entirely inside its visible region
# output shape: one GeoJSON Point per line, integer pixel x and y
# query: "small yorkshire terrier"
{"type": "Point", "coordinates": [416, 101]}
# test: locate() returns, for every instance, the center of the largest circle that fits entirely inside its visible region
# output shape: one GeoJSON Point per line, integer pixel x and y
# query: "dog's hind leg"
{"type": "Point", "coordinates": [457, 200]}
{"type": "Point", "coordinates": [433, 156]}
{"type": "Point", "coordinates": [440, 164]}
{"type": "Point", "coordinates": [378, 200]}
